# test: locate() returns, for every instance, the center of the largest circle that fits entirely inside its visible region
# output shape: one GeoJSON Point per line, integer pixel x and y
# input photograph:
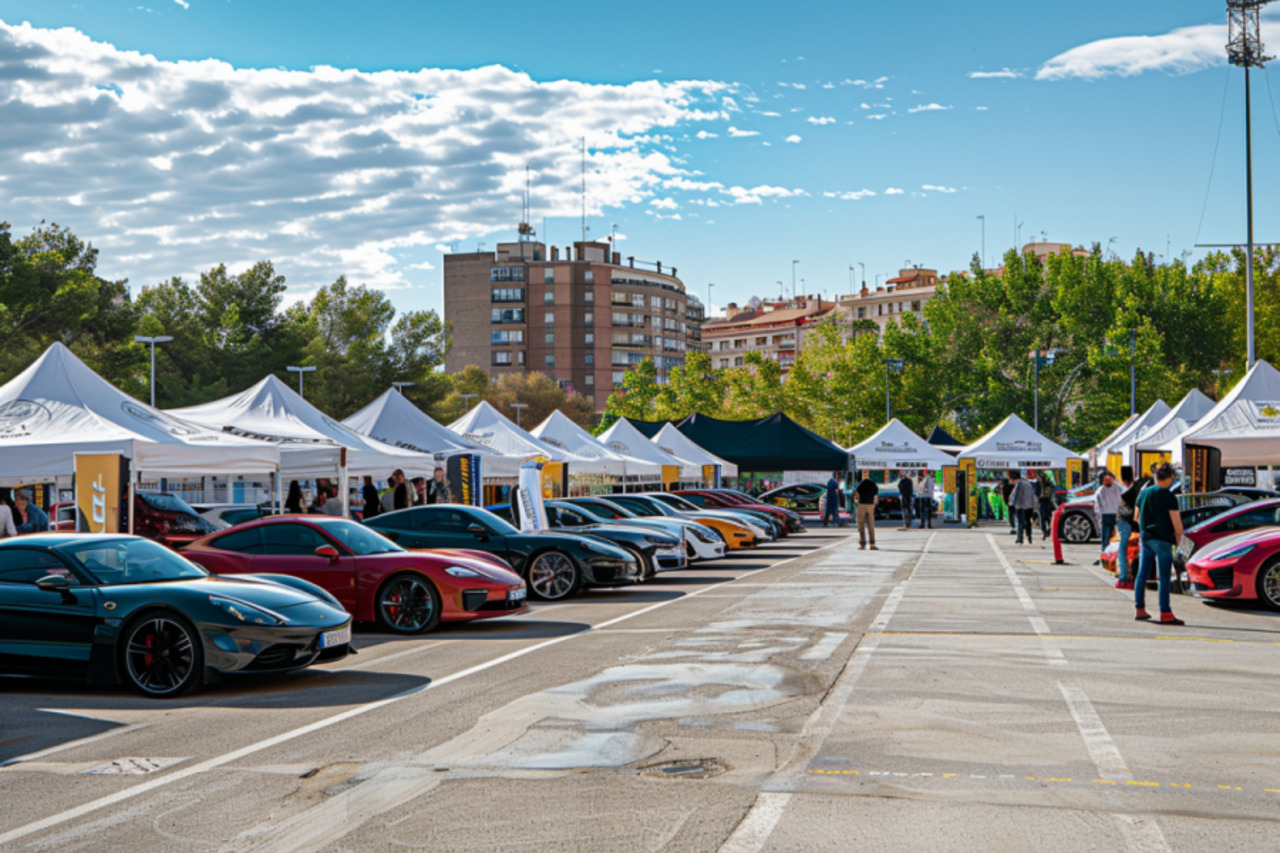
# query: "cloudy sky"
{"type": "Point", "coordinates": [727, 139]}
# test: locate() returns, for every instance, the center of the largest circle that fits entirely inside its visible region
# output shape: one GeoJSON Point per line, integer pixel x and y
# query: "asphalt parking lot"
{"type": "Point", "coordinates": [951, 690]}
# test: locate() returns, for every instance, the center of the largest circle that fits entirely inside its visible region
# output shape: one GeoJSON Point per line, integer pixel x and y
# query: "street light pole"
{"type": "Point", "coordinates": [890, 365]}
{"type": "Point", "coordinates": [862, 273]}
{"type": "Point", "coordinates": [300, 371]}
{"type": "Point", "coordinates": [465, 398]}
{"type": "Point", "coordinates": [153, 340]}
{"type": "Point", "coordinates": [519, 407]}
{"type": "Point", "coordinates": [1037, 416]}
{"type": "Point", "coordinates": [710, 285]}
{"type": "Point", "coordinates": [793, 280]}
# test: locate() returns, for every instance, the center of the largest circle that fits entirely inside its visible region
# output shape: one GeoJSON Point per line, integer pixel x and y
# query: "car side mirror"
{"type": "Point", "coordinates": [478, 531]}
{"type": "Point", "coordinates": [53, 583]}
{"type": "Point", "coordinates": [328, 551]}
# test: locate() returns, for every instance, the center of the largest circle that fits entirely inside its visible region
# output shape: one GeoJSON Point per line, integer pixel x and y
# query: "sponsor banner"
{"type": "Point", "coordinates": [1114, 461]}
{"type": "Point", "coordinates": [100, 482]}
{"type": "Point", "coordinates": [1019, 446]}
{"type": "Point", "coordinates": [531, 513]}
{"type": "Point", "coordinates": [463, 473]}
{"type": "Point", "coordinates": [970, 469]}
{"type": "Point", "coordinates": [949, 479]}
{"type": "Point", "coordinates": [1266, 414]}
{"type": "Point", "coordinates": [1075, 472]}
{"type": "Point", "coordinates": [552, 475]}
{"type": "Point", "coordinates": [670, 475]}
{"type": "Point", "coordinates": [711, 476]}
{"type": "Point", "coordinates": [994, 464]}
{"type": "Point", "coordinates": [1239, 476]}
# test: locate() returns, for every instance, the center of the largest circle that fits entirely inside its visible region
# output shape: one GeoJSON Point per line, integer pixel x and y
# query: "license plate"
{"type": "Point", "coordinates": [517, 594]}
{"type": "Point", "coordinates": [341, 637]}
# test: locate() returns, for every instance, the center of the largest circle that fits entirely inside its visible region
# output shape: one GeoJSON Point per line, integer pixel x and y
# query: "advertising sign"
{"type": "Point", "coordinates": [463, 473]}
{"type": "Point", "coordinates": [531, 513]}
{"type": "Point", "coordinates": [711, 476]}
{"type": "Point", "coordinates": [1240, 477]}
{"type": "Point", "coordinates": [1075, 472]}
{"type": "Point", "coordinates": [100, 482]}
{"type": "Point", "coordinates": [971, 486]}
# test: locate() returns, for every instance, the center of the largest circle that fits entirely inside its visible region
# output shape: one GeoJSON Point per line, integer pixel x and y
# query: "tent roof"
{"type": "Point", "coordinates": [624, 438]}
{"type": "Point", "coordinates": [561, 433]}
{"type": "Point", "coordinates": [648, 428]}
{"type": "Point", "coordinates": [894, 445]}
{"type": "Point", "coordinates": [1123, 438]}
{"type": "Point", "coordinates": [678, 444]}
{"type": "Point", "coordinates": [1114, 434]}
{"type": "Point", "coordinates": [489, 428]}
{"type": "Point", "coordinates": [310, 441]}
{"type": "Point", "coordinates": [1244, 426]}
{"type": "Point", "coordinates": [1015, 444]}
{"type": "Point", "coordinates": [393, 420]}
{"type": "Point", "coordinates": [58, 406]}
{"type": "Point", "coordinates": [773, 443]}
{"type": "Point", "coordinates": [1186, 414]}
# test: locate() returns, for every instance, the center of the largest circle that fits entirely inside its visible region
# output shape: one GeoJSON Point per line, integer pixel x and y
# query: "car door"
{"type": "Point", "coordinates": [289, 548]}
{"type": "Point", "coordinates": [451, 527]}
{"type": "Point", "coordinates": [44, 632]}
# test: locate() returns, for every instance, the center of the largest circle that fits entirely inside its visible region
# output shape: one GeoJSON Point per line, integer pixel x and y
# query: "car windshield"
{"type": "Point", "coordinates": [677, 502]}
{"type": "Point", "coordinates": [128, 561]}
{"type": "Point", "coordinates": [608, 507]}
{"type": "Point", "coordinates": [166, 503]}
{"type": "Point", "coordinates": [495, 523]}
{"type": "Point", "coordinates": [359, 539]}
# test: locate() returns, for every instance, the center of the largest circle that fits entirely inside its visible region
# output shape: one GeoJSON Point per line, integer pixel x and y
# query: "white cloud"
{"type": "Point", "coordinates": [799, 86]}
{"type": "Point", "coordinates": [178, 166]}
{"type": "Point", "coordinates": [877, 83]}
{"type": "Point", "coordinates": [756, 195]}
{"type": "Point", "coordinates": [770, 114]}
{"type": "Point", "coordinates": [1002, 74]}
{"type": "Point", "coordinates": [851, 195]}
{"type": "Point", "coordinates": [828, 85]}
{"type": "Point", "coordinates": [926, 108]}
{"type": "Point", "coordinates": [937, 189]}
{"type": "Point", "coordinates": [894, 191]}
{"type": "Point", "coordinates": [820, 120]}
{"type": "Point", "coordinates": [667, 203]}
{"type": "Point", "coordinates": [1179, 51]}
{"type": "Point", "coordinates": [739, 134]}
{"type": "Point", "coordinates": [794, 138]}
{"type": "Point", "coordinates": [703, 134]}
{"type": "Point", "coordinates": [730, 104]}
{"type": "Point", "coordinates": [981, 109]}
{"type": "Point", "coordinates": [425, 265]}
{"type": "Point", "coordinates": [183, 3]}
{"type": "Point", "coordinates": [876, 117]}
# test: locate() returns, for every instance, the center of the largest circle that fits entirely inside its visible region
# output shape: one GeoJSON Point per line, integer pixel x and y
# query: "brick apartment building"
{"type": "Point", "coordinates": [582, 318]}
{"type": "Point", "coordinates": [905, 294]}
{"type": "Point", "coordinates": [771, 328]}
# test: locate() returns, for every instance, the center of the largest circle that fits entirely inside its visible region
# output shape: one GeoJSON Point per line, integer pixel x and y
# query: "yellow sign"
{"type": "Point", "coordinates": [1147, 458]}
{"type": "Point", "coordinates": [949, 479]}
{"type": "Point", "coordinates": [670, 475]}
{"type": "Point", "coordinates": [1114, 461]}
{"type": "Point", "coordinates": [709, 476]}
{"type": "Point", "coordinates": [970, 468]}
{"type": "Point", "coordinates": [98, 491]}
{"type": "Point", "coordinates": [552, 473]}
{"type": "Point", "coordinates": [1075, 472]}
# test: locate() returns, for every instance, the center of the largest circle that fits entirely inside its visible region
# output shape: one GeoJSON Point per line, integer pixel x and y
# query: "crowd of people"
{"type": "Point", "coordinates": [19, 513]}
{"type": "Point", "coordinates": [400, 492]}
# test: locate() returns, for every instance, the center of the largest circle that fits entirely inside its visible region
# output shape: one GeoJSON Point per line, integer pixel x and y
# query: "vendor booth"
{"type": "Point", "coordinates": [560, 432]}
{"type": "Point", "coordinates": [1236, 438]}
{"type": "Point", "coordinates": [944, 441]}
{"type": "Point", "coordinates": [679, 445]}
{"type": "Point", "coordinates": [624, 438]}
{"type": "Point", "coordinates": [895, 447]}
{"type": "Point", "coordinates": [393, 420]}
{"type": "Point", "coordinates": [1146, 447]}
{"type": "Point", "coordinates": [1015, 445]}
{"type": "Point", "coordinates": [486, 426]}
{"type": "Point", "coordinates": [773, 443]}
{"type": "Point", "coordinates": [1114, 453]}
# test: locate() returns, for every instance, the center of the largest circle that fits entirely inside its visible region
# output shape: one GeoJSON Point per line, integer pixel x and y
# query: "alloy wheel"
{"type": "Point", "coordinates": [553, 576]}
{"type": "Point", "coordinates": [1269, 585]}
{"type": "Point", "coordinates": [1076, 528]}
{"type": "Point", "coordinates": [407, 605]}
{"type": "Point", "coordinates": [161, 657]}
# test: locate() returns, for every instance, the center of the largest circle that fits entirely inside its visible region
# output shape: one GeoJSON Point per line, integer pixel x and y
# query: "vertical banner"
{"type": "Point", "coordinates": [1075, 471]}
{"type": "Point", "coordinates": [531, 513]}
{"type": "Point", "coordinates": [1114, 461]}
{"type": "Point", "coordinates": [553, 480]}
{"type": "Point", "coordinates": [670, 476]}
{"type": "Point", "coordinates": [970, 469]}
{"type": "Point", "coordinates": [462, 470]}
{"type": "Point", "coordinates": [1202, 468]}
{"type": "Point", "coordinates": [100, 483]}
{"type": "Point", "coordinates": [711, 476]}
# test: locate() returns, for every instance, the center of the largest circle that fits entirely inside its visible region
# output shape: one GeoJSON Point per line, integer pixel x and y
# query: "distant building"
{"type": "Point", "coordinates": [897, 297]}
{"type": "Point", "coordinates": [774, 329]}
{"type": "Point", "coordinates": [582, 317]}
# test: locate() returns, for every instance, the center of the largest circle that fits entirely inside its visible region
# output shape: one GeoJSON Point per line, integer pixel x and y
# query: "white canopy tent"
{"type": "Point", "coordinates": [624, 438]}
{"type": "Point", "coordinates": [1244, 426]}
{"type": "Point", "coordinates": [1015, 444]}
{"type": "Point", "coordinates": [1099, 449]}
{"type": "Point", "coordinates": [1185, 415]}
{"type": "Point", "coordinates": [486, 426]}
{"type": "Point", "coordinates": [895, 446]}
{"type": "Point", "coordinates": [58, 407]}
{"type": "Point", "coordinates": [559, 432]}
{"type": "Point", "coordinates": [310, 442]}
{"type": "Point", "coordinates": [678, 444]}
{"type": "Point", "coordinates": [393, 420]}
{"type": "Point", "coordinates": [1115, 452]}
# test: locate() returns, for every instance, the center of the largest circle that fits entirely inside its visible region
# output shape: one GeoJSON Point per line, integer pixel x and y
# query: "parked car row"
{"type": "Point", "coordinates": [197, 598]}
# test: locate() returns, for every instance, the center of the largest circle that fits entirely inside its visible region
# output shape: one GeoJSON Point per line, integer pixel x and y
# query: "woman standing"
{"type": "Point", "coordinates": [293, 503]}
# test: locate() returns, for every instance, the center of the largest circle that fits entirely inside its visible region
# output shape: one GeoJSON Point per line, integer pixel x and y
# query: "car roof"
{"type": "Point", "coordinates": [54, 539]}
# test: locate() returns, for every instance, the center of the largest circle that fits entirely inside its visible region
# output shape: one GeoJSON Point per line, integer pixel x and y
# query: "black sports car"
{"type": "Point", "coordinates": [799, 496]}
{"type": "Point", "coordinates": [555, 565]}
{"type": "Point", "coordinates": [656, 550]}
{"type": "Point", "coordinates": [113, 608]}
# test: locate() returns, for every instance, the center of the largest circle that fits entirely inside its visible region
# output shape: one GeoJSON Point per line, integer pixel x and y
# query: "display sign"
{"type": "Point", "coordinates": [711, 476]}
{"type": "Point", "coordinates": [670, 475]}
{"type": "Point", "coordinates": [1147, 458]}
{"type": "Point", "coordinates": [463, 473]}
{"type": "Point", "coordinates": [552, 477]}
{"type": "Point", "coordinates": [1114, 461]}
{"type": "Point", "coordinates": [1075, 472]}
{"type": "Point", "coordinates": [100, 482]}
{"type": "Point", "coordinates": [993, 463]}
{"type": "Point", "coordinates": [1201, 465]}
{"type": "Point", "coordinates": [1240, 477]}
{"type": "Point", "coordinates": [970, 469]}
{"type": "Point", "coordinates": [949, 479]}
{"type": "Point", "coordinates": [531, 513]}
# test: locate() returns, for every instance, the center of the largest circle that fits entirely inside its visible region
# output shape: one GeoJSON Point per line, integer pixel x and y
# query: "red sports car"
{"type": "Point", "coordinates": [408, 592]}
{"type": "Point", "coordinates": [1245, 566]}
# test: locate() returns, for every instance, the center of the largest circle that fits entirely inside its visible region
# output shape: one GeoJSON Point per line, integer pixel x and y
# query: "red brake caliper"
{"type": "Point", "coordinates": [147, 658]}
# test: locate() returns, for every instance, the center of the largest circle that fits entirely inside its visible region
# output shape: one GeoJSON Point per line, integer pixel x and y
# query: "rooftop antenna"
{"type": "Point", "coordinates": [584, 189]}
{"type": "Point", "coordinates": [1244, 48]}
{"type": "Point", "coordinates": [526, 227]}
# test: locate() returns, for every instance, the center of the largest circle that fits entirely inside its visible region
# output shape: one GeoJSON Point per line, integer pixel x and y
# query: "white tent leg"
{"type": "Point", "coordinates": [345, 491]}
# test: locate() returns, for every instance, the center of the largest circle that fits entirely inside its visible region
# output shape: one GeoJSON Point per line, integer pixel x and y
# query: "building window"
{"type": "Point", "coordinates": [724, 362]}
{"type": "Point", "coordinates": [502, 358]}
{"type": "Point", "coordinates": [550, 360]}
{"type": "Point", "coordinates": [589, 318]}
{"type": "Point", "coordinates": [507, 294]}
{"type": "Point", "coordinates": [589, 276]}
{"type": "Point", "coordinates": [590, 379]}
{"type": "Point", "coordinates": [618, 376]}
{"type": "Point", "coordinates": [862, 313]}
{"type": "Point", "coordinates": [512, 337]}
{"type": "Point", "coordinates": [761, 341]}
{"type": "Point", "coordinates": [655, 302]}
{"type": "Point", "coordinates": [637, 299]}
{"type": "Point", "coordinates": [737, 362]}
{"type": "Point", "coordinates": [549, 338]}
{"type": "Point", "coordinates": [915, 305]}
{"type": "Point", "coordinates": [549, 318]}
{"type": "Point", "coordinates": [589, 297]}
{"type": "Point", "coordinates": [590, 359]}
{"type": "Point", "coordinates": [549, 298]}
{"type": "Point", "coordinates": [520, 357]}
{"type": "Point", "coordinates": [506, 274]}
{"type": "Point", "coordinates": [508, 315]}
{"type": "Point", "coordinates": [589, 338]}
{"type": "Point", "coordinates": [548, 275]}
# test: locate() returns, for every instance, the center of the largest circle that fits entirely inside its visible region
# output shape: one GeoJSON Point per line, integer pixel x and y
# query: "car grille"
{"type": "Point", "coordinates": [275, 656]}
{"type": "Point", "coordinates": [1223, 578]}
{"type": "Point", "coordinates": [501, 606]}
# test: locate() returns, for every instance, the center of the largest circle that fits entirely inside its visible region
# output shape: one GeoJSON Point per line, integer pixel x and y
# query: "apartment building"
{"type": "Point", "coordinates": [904, 294]}
{"type": "Point", "coordinates": [581, 316]}
{"type": "Point", "coordinates": [773, 329]}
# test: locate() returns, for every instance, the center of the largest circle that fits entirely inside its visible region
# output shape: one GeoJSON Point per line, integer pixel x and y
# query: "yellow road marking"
{"type": "Point", "coordinates": [1014, 778]}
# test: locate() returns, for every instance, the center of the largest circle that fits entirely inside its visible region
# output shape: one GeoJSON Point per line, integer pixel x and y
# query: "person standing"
{"type": "Point", "coordinates": [439, 490]}
{"type": "Point", "coordinates": [372, 500]}
{"type": "Point", "coordinates": [1124, 526]}
{"type": "Point", "coordinates": [1160, 524]}
{"type": "Point", "coordinates": [866, 494]}
{"type": "Point", "coordinates": [418, 491]}
{"type": "Point", "coordinates": [924, 501]}
{"type": "Point", "coordinates": [1022, 500]}
{"type": "Point", "coordinates": [831, 507]}
{"type": "Point", "coordinates": [7, 527]}
{"type": "Point", "coordinates": [906, 493]}
{"type": "Point", "coordinates": [1106, 506]}
{"type": "Point", "coordinates": [1045, 504]}
{"type": "Point", "coordinates": [332, 505]}
{"type": "Point", "coordinates": [31, 518]}
{"type": "Point", "coordinates": [293, 503]}
{"type": "Point", "coordinates": [1006, 495]}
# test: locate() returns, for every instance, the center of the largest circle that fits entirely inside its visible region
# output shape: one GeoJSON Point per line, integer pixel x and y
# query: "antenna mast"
{"type": "Point", "coordinates": [584, 189]}
{"type": "Point", "coordinates": [526, 227]}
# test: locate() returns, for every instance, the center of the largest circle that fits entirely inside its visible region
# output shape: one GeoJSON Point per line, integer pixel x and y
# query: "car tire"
{"type": "Point", "coordinates": [1268, 584]}
{"type": "Point", "coordinates": [408, 603]}
{"type": "Point", "coordinates": [161, 655]}
{"type": "Point", "coordinates": [553, 576]}
{"type": "Point", "coordinates": [1076, 528]}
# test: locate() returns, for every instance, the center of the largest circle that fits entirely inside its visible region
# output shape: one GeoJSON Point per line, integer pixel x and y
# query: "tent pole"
{"type": "Point", "coordinates": [344, 486]}
{"type": "Point", "coordinates": [279, 492]}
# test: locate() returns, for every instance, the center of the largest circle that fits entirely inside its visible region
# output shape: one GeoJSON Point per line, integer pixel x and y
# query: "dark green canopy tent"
{"type": "Point", "coordinates": [647, 428]}
{"type": "Point", "coordinates": [773, 443]}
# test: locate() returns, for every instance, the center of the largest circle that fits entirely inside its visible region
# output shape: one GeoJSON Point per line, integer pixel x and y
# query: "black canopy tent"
{"type": "Point", "coordinates": [941, 438]}
{"type": "Point", "coordinates": [773, 443]}
{"type": "Point", "coordinates": [647, 428]}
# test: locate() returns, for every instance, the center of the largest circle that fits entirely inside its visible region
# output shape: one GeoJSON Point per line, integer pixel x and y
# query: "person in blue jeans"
{"type": "Point", "coordinates": [1160, 525]}
{"type": "Point", "coordinates": [831, 508]}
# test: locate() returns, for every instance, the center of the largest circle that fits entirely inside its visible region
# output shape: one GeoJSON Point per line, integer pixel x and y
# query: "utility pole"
{"type": "Point", "coordinates": [300, 371]}
{"type": "Point", "coordinates": [710, 285]}
{"type": "Point", "coordinates": [1244, 48]}
{"type": "Point", "coordinates": [519, 407]}
{"type": "Point", "coordinates": [157, 339]}
{"type": "Point", "coordinates": [793, 280]}
{"type": "Point", "coordinates": [982, 259]}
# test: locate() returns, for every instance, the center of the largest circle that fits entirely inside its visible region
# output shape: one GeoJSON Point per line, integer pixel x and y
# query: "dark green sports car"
{"type": "Point", "coordinates": [659, 551]}
{"type": "Point", "coordinates": [555, 565]}
{"type": "Point", "coordinates": [113, 608]}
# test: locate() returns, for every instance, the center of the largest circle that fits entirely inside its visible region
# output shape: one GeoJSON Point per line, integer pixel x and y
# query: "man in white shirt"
{"type": "Point", "coordinates": [1106, 503]}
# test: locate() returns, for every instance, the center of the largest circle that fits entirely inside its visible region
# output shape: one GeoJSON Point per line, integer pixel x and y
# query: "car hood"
{"type": "Point", "coordinates": [565, 539]}
{"type": "Point", "coordinates": [627, 531]}
{"type": "Point", "coordinates": [264, 593]}
{"type": "Point", "coordinates": [1261, 536]}
{"type": "Point", "coordinates": [466, 555]}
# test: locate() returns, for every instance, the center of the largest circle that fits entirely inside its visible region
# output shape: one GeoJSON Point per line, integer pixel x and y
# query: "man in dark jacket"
{"type": "Point", "coordinates": [1006, 492]}
{"type": "Point", "coordinates": [372, 500]}
{"type": "Point", "coordinates": [906, 496]}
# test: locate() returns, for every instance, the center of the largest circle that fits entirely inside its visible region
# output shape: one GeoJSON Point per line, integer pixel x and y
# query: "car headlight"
{"type": "Point", "coordinates": [462, 572]}
{"type": "Point", "coordinates": [1233, 554]}
{"type": "Point", "coordinates": [659, 541]}
{"type": "Point", "coordinates": [702, 536]}
{"type": "Point", "coordinates": [246, 612]}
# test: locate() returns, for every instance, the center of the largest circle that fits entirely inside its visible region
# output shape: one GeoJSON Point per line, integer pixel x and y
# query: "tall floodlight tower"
{"type": "Point", "coordinates": [1244, 48]}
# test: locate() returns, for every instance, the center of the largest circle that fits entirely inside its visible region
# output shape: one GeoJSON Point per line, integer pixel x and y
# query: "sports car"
{"type": "Point", "coordinates": [737, 534]}
{"type": "Point", "coordinates": [656, 551]}
{"type": "Point", "coordinates": [1241, 567]}
{"type": "Point", "coordinates": [373, 577]}
{"type": "Point", "coordinates": [701, 542]}
{"type": "Point", "coordinates": [110, 608]}
{"type": "Point", "coordinates": [762, 524]}
{"type": "Point", "coordinates": [803, 497]}
{"type": "Point", "coordinates": [556, 565]}
{"type": "Point", "coordinates": [789, 520]}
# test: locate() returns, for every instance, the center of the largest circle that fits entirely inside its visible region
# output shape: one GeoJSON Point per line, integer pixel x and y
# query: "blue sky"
{"type": "Point", "coordinates": [726, 139]}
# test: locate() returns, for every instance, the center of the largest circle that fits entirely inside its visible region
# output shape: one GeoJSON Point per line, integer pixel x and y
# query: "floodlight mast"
{"type": "Point", "coordinates": [1245, 49]}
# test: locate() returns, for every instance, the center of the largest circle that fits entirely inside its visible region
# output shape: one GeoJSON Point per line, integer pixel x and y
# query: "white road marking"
{"type": "Point", "coordinates": [30, 756]}
{"type": "Point", "coordinates": [357, 711]}
{"type": "Point", "coordinates": [1051, 650]}
{"type": "Point", "coordinates": [1140, 833]}
{"type": "Point", "coordinates": [753, 832]}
